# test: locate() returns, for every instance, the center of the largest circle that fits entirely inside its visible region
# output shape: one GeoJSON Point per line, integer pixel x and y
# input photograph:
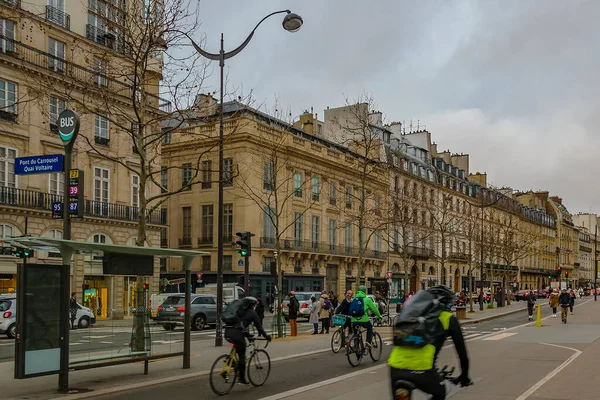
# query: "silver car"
{"type": "Point", "coordinates": [8, 316]}
{"type": "Point", "coordinates": [171, 312]}
{"type": "Point", "coordinates": [304, 302]}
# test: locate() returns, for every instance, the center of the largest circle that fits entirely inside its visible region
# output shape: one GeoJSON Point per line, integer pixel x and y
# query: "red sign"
{"type": "Point", "coordinates": [199, 275]}
{"type": "Point", "coordinates": [389, 274]}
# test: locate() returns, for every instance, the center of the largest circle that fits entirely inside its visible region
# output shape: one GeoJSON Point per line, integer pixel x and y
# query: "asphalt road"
{"type": "Point", "coordinates": [291, 374]}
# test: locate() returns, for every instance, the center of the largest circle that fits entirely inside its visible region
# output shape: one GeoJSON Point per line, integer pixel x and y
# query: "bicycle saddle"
{"type": "Point", "coordinates": [403, 384]}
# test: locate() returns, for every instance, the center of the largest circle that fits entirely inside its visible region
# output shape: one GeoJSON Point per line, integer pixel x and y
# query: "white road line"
{"type": "Point", "coordinates": [472, 335]}
{"type": "Point", "coordinates": [501, 336]}
{"type": "Point", "coordinates": [552, 374]}
{"type": "Point", "coordinates": [107, 342]}
{"type": "Point", "coordinates": [7, 344]}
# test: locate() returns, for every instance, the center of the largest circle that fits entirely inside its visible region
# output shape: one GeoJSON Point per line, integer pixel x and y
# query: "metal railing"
{"type": "Point", "coordinates": [104, 38]}
{"type": "Point", "coordinates": [309, 246]}
{"type": "Point", "coordinates": [459, 256]}
{"type": "Point", "coordinates": [58, 17]}
{"type": "Point", "coordinates": [15, 50]}
{"type": "Point", "coordinates": [43, 201]}
{"type": "Point", "coordinates": [185, 241]}
{"type": "Point", "coordinates": [205, 240]}
{"type": "Point", "coordinates": [101, 140]}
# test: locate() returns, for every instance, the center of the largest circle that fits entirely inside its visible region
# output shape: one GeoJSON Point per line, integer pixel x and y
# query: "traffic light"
{"type": "Point", "coordinates": [566, 274]}
{"type": "Point", "coordinates": [559, 270]}
{"type": "Point", "coordinates": [23, 252]}
{"type": "Point", "coordinates": [145, 286]}
{"type": "Point", "coordinates": [245, 243]}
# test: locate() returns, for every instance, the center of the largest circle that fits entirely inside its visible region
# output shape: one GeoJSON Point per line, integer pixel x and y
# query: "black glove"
{"type": "Point", "coordinates": [268, 337]}
{"type": "Point", "coordinates": [462, 380]}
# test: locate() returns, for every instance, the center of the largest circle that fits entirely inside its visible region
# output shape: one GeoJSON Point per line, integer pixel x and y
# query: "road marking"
{"type": "Point", "coordinates": [472, 335]}
{"type": "Point", "coordinates": [499, 329]}
{"type": "Point", "coordinates": [501, 336]}
{"type": "Point", "coordinates": [74, 344]}
{"type": "Point", "coordinates": [7, 344]}
{"type": "Point", "coordinates": [99, 337]}
{"type": "Point", "coordinates": [552, 374]}
{"type": "Point", "coordinates": [107, 342]}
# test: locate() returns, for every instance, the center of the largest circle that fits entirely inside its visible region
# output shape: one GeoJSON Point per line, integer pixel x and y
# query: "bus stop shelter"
{"type": "Point", "coordinates": [54, 354]}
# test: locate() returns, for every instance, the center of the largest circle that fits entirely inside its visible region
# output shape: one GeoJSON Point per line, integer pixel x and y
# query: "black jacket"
{"type": "Point", "coordinates": [343, 308]}
{"type": "Point", "coordinates": [260, 310]}
{"type": "Point", "coordinates": [564, 299]}
{"type": "Point", "coordinates": [455, 332]}
{"type": "Point", "coordinates": [530, 299]}
{"type": "Point", "coordinates": [293, 307]}
{"type": "Point", "coordinates": [251, 317]}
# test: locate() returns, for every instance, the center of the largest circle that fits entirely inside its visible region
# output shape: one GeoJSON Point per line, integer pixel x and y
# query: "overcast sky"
{"type": "Point", "coordinates": [513, 83]}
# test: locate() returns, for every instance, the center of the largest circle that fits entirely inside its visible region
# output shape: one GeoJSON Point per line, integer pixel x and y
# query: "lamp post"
{"type": "Point", "coordinates": [291, 23]}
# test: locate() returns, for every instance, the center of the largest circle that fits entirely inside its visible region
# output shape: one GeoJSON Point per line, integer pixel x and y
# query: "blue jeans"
{"type": "Point", "coordinates": [369, 326]}
{"type": "Point", "coordinates": [316, 327]}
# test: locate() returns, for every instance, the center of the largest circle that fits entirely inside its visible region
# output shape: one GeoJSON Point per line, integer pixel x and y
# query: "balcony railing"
{"type": "Point", "coordinates": [23, 53]}
{"type": "Point", "coordinates": [205, 240]}
{"type": "Point", "coordinates": [58, 17]}
{"type": "Point", "coordinates": [101, 140]}
{"type": "Point", "coordinates": [185, 242]}
{"type": "Point", "coordinates": [43, 201]}
{"type": "Point", "coordinates": [459, 256]}
{"type": "Point", "coordinates": [108, 39]}
{"type": "Point", "coordinates": [309, 246]}
{"type": "Point", "coordinates": [414, 251]}
{"type": "Point", "coordinates": [164, 243]}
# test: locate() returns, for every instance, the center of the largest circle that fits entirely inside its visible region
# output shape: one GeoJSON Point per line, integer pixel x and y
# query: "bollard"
{"type": "Point", "coordinates": [538, 318]}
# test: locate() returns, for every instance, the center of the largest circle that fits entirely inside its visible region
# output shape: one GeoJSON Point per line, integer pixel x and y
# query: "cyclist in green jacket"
{"type": "Point", "coordinates": [364, 319]}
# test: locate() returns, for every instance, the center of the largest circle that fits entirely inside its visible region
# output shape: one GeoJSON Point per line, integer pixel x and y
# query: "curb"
{"type": "Point", "coordinates": [491, 317]}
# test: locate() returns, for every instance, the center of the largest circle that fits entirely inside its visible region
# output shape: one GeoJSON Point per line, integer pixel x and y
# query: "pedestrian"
{"type": "Point", "coordinates": [553, 300]}
{"type": "Point", "coordinates": [73, 309]}
{"type": "Point", "coordinates": [530, 298]}
{"type": "Point", "coordinates": [572, 303]}
{"type": "Point", "coordinates": [324, 310]}
{"type": "Point", "coordinates": [334, 304]}
{"type": "Point", "coordinates": [293, 308]}
{"type": "Point", "coordinates": [314, 315]}
{"type": "Point", "coordinates": [565, 301]}
{"type": "Point", "coordinates": [260, 310]}
{"type": "Point", "coordinates": [402, 301]}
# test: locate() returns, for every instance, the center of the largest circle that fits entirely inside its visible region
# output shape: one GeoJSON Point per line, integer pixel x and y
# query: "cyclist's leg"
{"type": "Point", "coordinates": [369, 327]}
{"type": "Point", "coordinates": [240, 348]}
{"type": "Point", "coordinates": [429, 382]}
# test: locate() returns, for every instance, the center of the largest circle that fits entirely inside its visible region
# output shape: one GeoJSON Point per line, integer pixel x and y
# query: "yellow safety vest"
{"type": "Point", "coordinates": [417, 359]}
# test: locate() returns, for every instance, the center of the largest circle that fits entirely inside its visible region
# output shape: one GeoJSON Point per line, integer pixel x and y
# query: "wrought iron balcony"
{"type": "Point", "coordinates": [58, 17]}
{"type": "Point", "coordinates": [43, 201]}
{"type": "Point", "coordinates": [205, 241]}
{"type": "Point", "coordinates": [414, 251]}
{"type": "Point", "coordinates": [102, 140]}
{"type": "Point", "coordinates": [458, 256]}
{"type": "Point", "coordinates": [309, 246]}
{"type": "Point", "coordinates": [164, 243]}
{"type": "Point", "coordinates": [104, 38]}
{"type": "Point", "coordinates": [185, 242]}
{"type": "Point", "coordinates": [21, 53]}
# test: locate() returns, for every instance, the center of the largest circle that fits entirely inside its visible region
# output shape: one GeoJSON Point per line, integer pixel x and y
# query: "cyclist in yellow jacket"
{"type": "Point", "coordinates": [417, 364]}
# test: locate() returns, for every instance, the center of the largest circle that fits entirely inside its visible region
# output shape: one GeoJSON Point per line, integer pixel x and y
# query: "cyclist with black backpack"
{"type": "Point", "coordinates": [358, 311]}
{"type": "Point", "coordinates": [237, 318]}
{"type": "Point", "coordinates": [420, 331]}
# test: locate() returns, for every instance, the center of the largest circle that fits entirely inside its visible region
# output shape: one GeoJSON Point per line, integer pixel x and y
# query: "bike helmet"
{"type": "Point", "coordinates": [443, 294]}
{"type": "Point", "coordinates": [362, 288]}
{"type": "Point", "coordinates": [251, 301]}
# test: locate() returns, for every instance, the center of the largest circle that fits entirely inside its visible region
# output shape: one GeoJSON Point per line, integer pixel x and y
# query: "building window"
{"type": "Point", "coordinates": [315, 188]}
{"type": "Point", "coordinates": [206, 174]}
{"type": "Point", "coordinates": [54, 234]}
{"type": "Point", "coordinates": [227, 172]}
{"type": "Point", "coordinates": [298, 184]}
{"type": "Point", "coordinates": [56, 107]}
{"type": "Point", "coordinates": [186, 233]}
{"type": "Point", "coordinates": [298, 226]}
{"type": "Point", "coordinates": [332, 193]}
{"type": "Point", "coordinates": [297, 266]}
{"type": "Point", "coordinates": [101, 132]}
{"type": "Point", "coordinates": [6, 231]}
{"type": "Point", "coordinates": [227, 263]}
{"type": "Point", "coordinates": [267, 264]}
{"type": "Point", "coordinates": [101, 184]}
{"type": "Point", "coordinates": [164, 179]}
{"type": "Point", "coordinates": [7, 167]}
{"type": "Point", "coordinates": [348, 197]}
{"type": "Point", "coordinates": [207, 223]}
{"type": "Point", "coordinates": [268, 176]}
{"type": "Point", "coordinates": [56, 59]}
{"type": "Point", "coordinates": [135, 190]}
{"type": "Point", "coordinates": [166, 137]}
{"type": "Point", "coordinates": [332, 233]}
{"type": "Point", "coordinates": [8, 101]}
{"type": "Point", "coordinates": [101, 239]}
{"type": "Point", "coordinates": [206, 263]}
{"type": "Point", "coordinates": [377, 205]}
{"type": "Point", "coordinates": [348, 236]}
{"type": "Point", "coordinates": [7, 28]}
{"type": "Point", "coordinates": [315, 226]}
{"type": "Point", "coordinates": [101, 72]}
{"type": "Point", "coordinates": [268, 224]}
{"type": "Point", "coordinates": [377, 241]}
{"type": "Point", "coordinates": [56, 184]}
{"type": "Point", "coordinates": [186, 175]}
{"type": "Point", "coordinates": [228, 222]}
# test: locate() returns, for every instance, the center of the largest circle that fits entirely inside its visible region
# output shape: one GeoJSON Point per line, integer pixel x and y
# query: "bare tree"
{"type": "Point", "coordinates": [269, 177]}
{"type": "Point", "coordinates": [364, 203]}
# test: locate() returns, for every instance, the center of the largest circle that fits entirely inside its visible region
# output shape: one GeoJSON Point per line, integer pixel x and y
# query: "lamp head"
{"type": "Point", "coordinates": [292, 22]}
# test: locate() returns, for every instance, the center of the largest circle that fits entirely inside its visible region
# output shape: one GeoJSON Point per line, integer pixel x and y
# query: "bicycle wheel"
{"type": "Point", "coordinates": [259, 367]}
{"type": "Point", "coordinates": [387, 321]}
{"type": "Point", "coordinates": [376, 347]}
{"type": "Point", "coordinates": [336, 341]}
{"type": "Point", "coordinates": [355, 353]}
{"type": "Point", "coordinates": [222, 375]}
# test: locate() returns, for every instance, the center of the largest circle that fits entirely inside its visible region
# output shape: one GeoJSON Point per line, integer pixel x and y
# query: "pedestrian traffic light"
{"type": "Point", "coordinates": [23, 252]}
{"type": "Point", "coordinates": [558, 269]}
{"type": "Point", "coordinates": [245, 243]}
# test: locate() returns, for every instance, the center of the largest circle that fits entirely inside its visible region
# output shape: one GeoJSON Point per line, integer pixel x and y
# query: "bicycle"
{"type": "Point", "coordinates": [403, 389]}
{"type": "Point", "coordinates": [355, 346]}
{"type": "Point", "coordinates": [224, 369]}
{"type": "Point", "coordinates": [338, 339]}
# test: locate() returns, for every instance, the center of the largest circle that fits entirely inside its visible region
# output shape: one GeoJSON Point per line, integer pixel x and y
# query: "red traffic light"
{"type": "Point", "coordinates": [145, 286]}
{"type": "Point", "coordinates": [567, 274]}
{"type": "Point", "coordinates": [558, 268]}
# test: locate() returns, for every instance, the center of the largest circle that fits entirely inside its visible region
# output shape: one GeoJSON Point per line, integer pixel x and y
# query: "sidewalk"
{"type": "Point", "coordinates": [109, 379]}
{"type": "Point", "coordinates": [496, 312]}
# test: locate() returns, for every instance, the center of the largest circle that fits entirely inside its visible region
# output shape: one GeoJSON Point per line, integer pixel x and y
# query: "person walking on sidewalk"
{"type": "Point", "coordinates": [553, 301]}
{"type": "Point", "coordinates": [530, 298]}
{"type": "Point", "coordinates": [314, 315]}
{"type": "Point", "coordinates": [324, 310]}
{"type": "Point", "coordinates": [293, 308]}
{"type": "Point", "coordinates": [260, 310]}
{"type": "Point", "coordinates": [565, 301]}
{"type": "Point", "coordinates": [572, 303]}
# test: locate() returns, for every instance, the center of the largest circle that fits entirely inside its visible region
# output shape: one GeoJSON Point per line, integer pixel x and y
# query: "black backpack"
{"type": "Point", "coordinates": [234, 312]}
{"type": "Point", "coordinates": [418, 323]}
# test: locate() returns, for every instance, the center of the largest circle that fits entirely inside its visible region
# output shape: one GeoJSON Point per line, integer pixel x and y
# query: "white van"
{"type": "Point", "coordinates": [156, 300]}
{"type": "Point", "coordinates": [231, 291]}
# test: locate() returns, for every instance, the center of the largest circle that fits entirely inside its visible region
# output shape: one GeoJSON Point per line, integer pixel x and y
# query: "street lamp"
{"type": "Point", "coordinates": [292, 23]}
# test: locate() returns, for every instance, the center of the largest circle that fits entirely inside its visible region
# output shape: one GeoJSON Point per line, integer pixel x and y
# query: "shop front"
{"type": "Point", "coordinates": [378, 285]}
{"type": "Point", "coordinates": [95, 294]}
{"type": "Point", "coordinates": [8, 276]}
{"type": "Point", "coordinates": [397, 286]}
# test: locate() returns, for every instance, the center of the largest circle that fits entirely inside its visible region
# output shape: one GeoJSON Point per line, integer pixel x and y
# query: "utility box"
{"type": "Point", "coordinates": [461, 312]}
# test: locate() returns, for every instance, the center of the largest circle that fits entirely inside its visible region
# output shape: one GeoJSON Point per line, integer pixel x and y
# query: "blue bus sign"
{"type": "Point", "coordinates": [39, 164]}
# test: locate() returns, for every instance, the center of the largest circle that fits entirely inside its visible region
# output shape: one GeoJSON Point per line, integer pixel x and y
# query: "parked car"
{"type": "Point", "coordinates": [304, 300]}
{"type": "Point", "coordinates": [8, 316]}
{"type": "Point", "coordinates": [171, 313]}
{"type": "Point", "coordinates": [231, 291]}
{"type": "Point", "coordinates": [156, 300]}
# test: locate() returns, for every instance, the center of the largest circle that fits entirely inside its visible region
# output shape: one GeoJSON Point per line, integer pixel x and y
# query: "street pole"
{"type": "Point", "coordinates": [481, 260]}
{"type": "Point", "coordinates": [595, 262]}
{"type": "Point", "coordinates": [246, 274]}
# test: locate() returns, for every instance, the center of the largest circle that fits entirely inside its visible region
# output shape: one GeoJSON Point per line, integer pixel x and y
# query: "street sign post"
{"type": "Point", "coordinates": [39, 164]}
{"type": "Point", "coordinates": [389, 275]}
